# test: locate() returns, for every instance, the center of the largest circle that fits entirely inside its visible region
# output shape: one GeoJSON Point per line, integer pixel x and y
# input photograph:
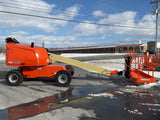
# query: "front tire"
{"type": "Point", "coordinates": [63, 78]}
{"type": "Point", "coordinates": [14, 77]}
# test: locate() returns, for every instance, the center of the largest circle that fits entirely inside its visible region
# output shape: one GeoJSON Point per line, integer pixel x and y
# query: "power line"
{"type": "Point", "coordinates": [58, 9]}
{"type": "Point", "coordinates": [10, 5]}
{"type": "Point", "coordinates": [29, 3]}
{"type": "Point", "coordinates": [28, 6]}
{"type": "Point", "coordinates": [65, 15]}
{"type": "Point", "coordinates": [62, 14]}
{"type": "Point", "coordinates": [23, 8]}
{"type": "Point", "coordinates": [74, 21]}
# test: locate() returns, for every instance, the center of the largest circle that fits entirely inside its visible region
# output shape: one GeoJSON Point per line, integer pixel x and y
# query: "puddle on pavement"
{"type": "Point", "coordinates": [126, 102]}
{"type": "Point", "coordinates": [72, 95]}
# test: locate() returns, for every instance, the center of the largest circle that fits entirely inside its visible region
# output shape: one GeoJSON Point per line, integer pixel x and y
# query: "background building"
{"type": "Point", "coordinates": [135, 47]}
{"type": "Point", "coordinates": [151, 46]}
{"type": "Point", "coordinates": [105, 49]}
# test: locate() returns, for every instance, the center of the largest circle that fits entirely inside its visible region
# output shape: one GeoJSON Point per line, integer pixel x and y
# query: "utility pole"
{"type": "Point", "coordinates": [156, 12]}
{"type": "Point", "coordinates": [43, 44]}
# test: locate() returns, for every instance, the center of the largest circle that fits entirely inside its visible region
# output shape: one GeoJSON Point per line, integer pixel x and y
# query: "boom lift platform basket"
{"type": "Point", "coordinates": [139, 69]}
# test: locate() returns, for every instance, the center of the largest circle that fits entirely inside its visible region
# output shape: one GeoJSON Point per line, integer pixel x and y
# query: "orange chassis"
{"type": "Point", "coordinates": [42, 71]}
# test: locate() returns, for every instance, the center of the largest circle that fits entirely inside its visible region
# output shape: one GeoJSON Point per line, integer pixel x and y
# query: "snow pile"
{"type": "Point", "coordinates": [149, 104]}
{"type": "Point", "coordinates": [134, 111]}
{"type": "Point", "coordinates": [101, 95]}
{"type": "Point", "coordinates": [64, 101]}
{"type": "Point", "coordinates": [153, 109]}
{"type": "Point", "coordinates": [150, 85]}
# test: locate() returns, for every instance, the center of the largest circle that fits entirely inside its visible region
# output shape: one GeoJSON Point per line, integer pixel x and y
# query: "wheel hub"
{"type": "Point", "coordinates": [13, 78]}
{"type": "Point", "coordinates": [63, 78]}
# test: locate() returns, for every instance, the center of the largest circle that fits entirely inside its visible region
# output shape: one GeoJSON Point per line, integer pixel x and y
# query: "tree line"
{"type": "Point", "coordinates": [2, 49]}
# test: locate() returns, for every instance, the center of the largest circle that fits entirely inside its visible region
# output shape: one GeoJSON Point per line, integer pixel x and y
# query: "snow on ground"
{"type": "Point", "coordinates": [112, 64]}
{"type": "Point", "coordinates": [2, 57]}
{"type": "Point", "coordinates": [87, 54]}
{"type": "Point", "coordinates": [65, 111]}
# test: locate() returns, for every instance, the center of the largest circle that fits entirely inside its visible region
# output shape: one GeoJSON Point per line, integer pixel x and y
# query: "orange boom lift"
{"type": "Point", "coordinates": [35, 62]}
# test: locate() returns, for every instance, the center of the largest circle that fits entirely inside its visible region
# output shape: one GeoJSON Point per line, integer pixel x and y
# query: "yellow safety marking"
{"type": "Point", "coordinates": [54, 57]}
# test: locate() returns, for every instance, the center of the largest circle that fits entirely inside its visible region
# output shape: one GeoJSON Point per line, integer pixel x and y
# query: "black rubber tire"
{"type": "Point", "coordinates": [69, 67]}
{"type": "Point", "coordinates": [63, 78]}
{"type": "Point", "coordinates": [14, 77]}
{"type": "Point", "coordinates": [126, 74]}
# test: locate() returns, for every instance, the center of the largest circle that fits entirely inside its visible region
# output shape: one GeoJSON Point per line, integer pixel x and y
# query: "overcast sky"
{"type": "Point", "coordinates": [123, 22]}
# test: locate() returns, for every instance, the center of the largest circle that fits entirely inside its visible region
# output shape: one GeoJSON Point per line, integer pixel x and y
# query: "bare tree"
{"type": "Point", "coordinates": [2, 49]}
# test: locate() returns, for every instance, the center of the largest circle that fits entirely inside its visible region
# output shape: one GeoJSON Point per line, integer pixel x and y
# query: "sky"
{"type": "Point", "coordinates": [76, 23]}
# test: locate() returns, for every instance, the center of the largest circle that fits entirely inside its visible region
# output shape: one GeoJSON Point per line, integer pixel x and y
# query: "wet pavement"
{"type": "Point", "coordinates": [108, 102]}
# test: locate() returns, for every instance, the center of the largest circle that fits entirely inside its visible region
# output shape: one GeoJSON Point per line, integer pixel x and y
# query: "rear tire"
{"type": "Point", "coordinates": [69, 67]}
{"type": "Point", "coordinates": [14, 77]}
{"type": "Point", "coordinates": [63, 78]}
